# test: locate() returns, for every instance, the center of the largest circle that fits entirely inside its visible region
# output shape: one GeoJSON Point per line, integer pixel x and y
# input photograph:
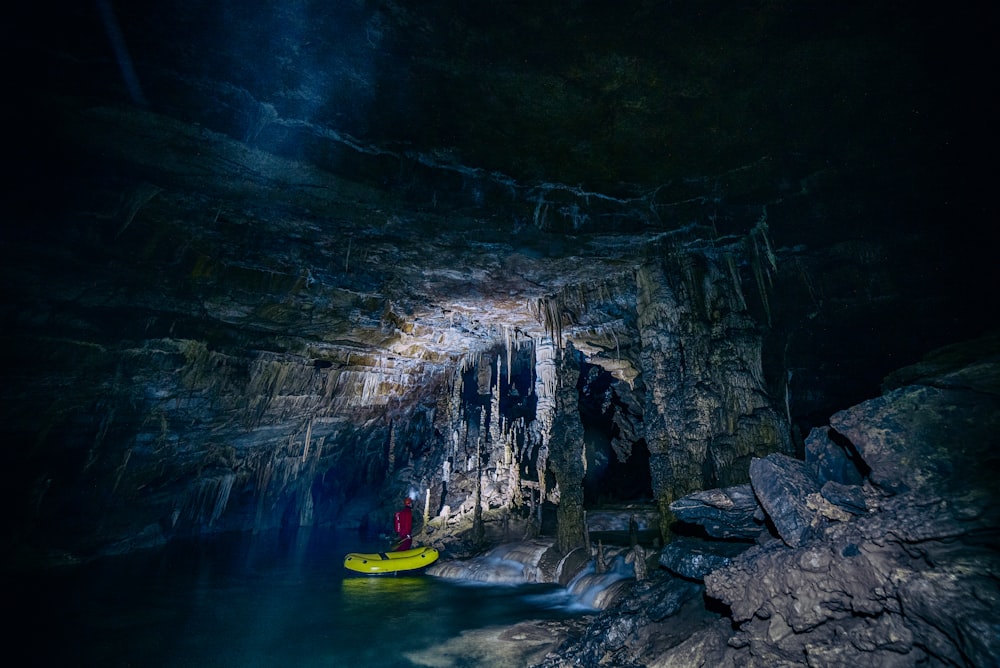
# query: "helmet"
{"type": "Point", "coordinates": [407, 502]}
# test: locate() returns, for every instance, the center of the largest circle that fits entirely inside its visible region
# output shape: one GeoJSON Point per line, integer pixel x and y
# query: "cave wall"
{"type": "Point", "coordinates": [227, 313]}
{"type": "Point", "coordinates": [707, 407]}
{"type": "Point", "coordinates": [176, 378]}
{"type": "Point", "coordinates": [165, 437]}
{"type": "Point", "coordinates": [168, 438]}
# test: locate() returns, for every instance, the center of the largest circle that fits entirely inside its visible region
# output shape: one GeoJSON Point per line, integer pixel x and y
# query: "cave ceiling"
{"type": "Point", "coordinates": [413, 180]}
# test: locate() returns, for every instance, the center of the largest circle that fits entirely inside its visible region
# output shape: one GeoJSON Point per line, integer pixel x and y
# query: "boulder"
{"type": "Point", "coordinates": [847, 497]}
{"type": "Point", "coordinates": [723, 513]}
{"type": "Point", "coordinates": [928, 439]}
{"type": "Point", "coordinates": [831, 458]}
{"type": "Point", "coordinates": [693, 558]}
{"type": "Point", "coordinates": [782, 486]}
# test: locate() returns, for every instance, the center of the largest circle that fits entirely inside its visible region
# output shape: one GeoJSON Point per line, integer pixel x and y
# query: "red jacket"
{"type": "Point", "coordinates": [404, 522]}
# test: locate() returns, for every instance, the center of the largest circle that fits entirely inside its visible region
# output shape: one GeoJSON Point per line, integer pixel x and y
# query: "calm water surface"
{"type": "Point", "coordinates": [265, 601]}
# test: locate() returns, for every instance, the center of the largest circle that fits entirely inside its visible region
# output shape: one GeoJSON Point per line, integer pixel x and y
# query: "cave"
{"type": "Point", "coordinates": [704, 285]}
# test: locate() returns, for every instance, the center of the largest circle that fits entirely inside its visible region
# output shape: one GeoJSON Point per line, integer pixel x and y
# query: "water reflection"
{"type": "Point", "coordinates": [261, 601]}
{"type": "Point", "coordinates": [364, 591]}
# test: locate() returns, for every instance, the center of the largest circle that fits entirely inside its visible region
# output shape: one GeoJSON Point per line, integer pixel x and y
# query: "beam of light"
{"type": "Point", "coordinates": [117, 39]}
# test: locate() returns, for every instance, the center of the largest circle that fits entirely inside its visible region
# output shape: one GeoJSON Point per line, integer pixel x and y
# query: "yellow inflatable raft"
{"type": "Point", "coordinates": [390, 562]}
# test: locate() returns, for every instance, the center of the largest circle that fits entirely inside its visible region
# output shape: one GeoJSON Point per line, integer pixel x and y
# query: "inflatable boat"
{"type": "Point", "coordinates": [391, 562]}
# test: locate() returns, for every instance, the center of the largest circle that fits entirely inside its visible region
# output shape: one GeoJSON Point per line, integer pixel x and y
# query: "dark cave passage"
{"type": "Point", "coordinates": [617, 471]}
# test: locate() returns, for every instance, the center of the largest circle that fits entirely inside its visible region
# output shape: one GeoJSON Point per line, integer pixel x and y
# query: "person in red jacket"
{"type": "Point", "coordinates": [404, 525]}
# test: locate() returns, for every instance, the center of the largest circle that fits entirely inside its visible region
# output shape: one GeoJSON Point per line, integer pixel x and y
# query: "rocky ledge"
{"type": "Point", "coordinates": [880, 548]}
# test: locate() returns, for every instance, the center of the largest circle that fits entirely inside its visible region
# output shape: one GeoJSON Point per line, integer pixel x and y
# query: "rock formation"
{"type": "Point", "coordinates": [905, 574]}
{"type": "Point", "coordinates": [277, 266]}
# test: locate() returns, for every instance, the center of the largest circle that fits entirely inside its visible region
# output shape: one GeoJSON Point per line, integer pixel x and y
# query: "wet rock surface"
{"type": "Point", "coordinates": [694, 559]}
{"type": "Point", "coordinates": [501, 647]}
{"type": "Point", "coordinates": [656, 614]}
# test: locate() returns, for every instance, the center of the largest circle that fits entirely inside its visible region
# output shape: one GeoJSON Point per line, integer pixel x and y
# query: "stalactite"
{"type": "Point", "coordinates": [206, 503]}
{"type": "Point", "coordinates": [764, 261]}
{"type": "Point", "coordinates": [534, 361]}
{"type": "Point", "coordinates": [121, 470]}
{"type": "Point", "coordinates": [550, 315]}
{"type": "Point", "coordinates": [509, 344]}
{"type": "Point", "coordinates": [542, 465]}
{"type": "Point", "coordinates": [391, 459]}
{"type": "Point", "coordinates": [761, 230]}
{"type": "Point", "coordinates": [222, 497]}
{"type": "Point", "coordinates": [465, 443]}
{"type": "Point", "coordinates": [762, 288]}
{"type": "Point", "coordinates": [305, 448]}
{"type": "Point", "coordinates": [131, 203]}
{"type": "Point", "coordinates": [102, 431]}
{"type": "Point", "coordinates": [788, 396]}
{"type": "Point", "coordinates": [306, 509]}
{"type": "Point", "coordinates": [737, 281]}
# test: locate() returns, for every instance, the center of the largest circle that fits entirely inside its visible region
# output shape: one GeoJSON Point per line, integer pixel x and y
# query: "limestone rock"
{"type": "Point", "coordinates": [524, 644]}
{"type": "Point", "coordinates": [830, 460]}
{"type": "Point", "coordinates": [848, 497]}
{"type": "Point", "coordinates": [706, 647]}
{"type": "Point", "coordinates": [782, 485]}
{"type": "Point", "coordinates": [652, 617]}
{"type": "Point", "coordinates": [871, 591]}
{"type": "Point", "coordinates": [900, 579]}
{"type": "Point", "coordinates": [694, 559]}
{"type": "Point", "coordinates": [927, 439]}
{"type": "Point", "coordinates": [724, 513]}
{"type": "Point", "coordinates": [510, 563]}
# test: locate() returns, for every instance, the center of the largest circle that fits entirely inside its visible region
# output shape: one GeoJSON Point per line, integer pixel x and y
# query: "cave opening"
{"type": "Point", "coordinates": [617, 469]}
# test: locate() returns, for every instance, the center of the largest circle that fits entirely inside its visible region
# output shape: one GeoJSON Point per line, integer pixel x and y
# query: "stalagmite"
{"type": "Point", "coordinates": [600, 561]}
{"type": "Point", "coordinates": [637, 558]}
{"type": "Point", "coordinates": [541, 428]}
{"type": "Point", "coordinates": [478, 528]}
{"type": "Point", "coordinates": [427, 509]}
